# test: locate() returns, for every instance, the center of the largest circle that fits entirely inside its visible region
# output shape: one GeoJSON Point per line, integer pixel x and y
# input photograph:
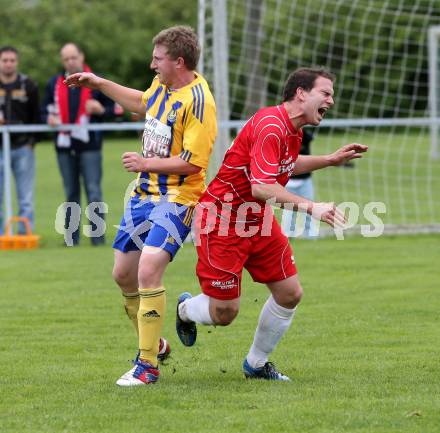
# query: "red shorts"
{"type": "Point", "coordinates": [222, 259]}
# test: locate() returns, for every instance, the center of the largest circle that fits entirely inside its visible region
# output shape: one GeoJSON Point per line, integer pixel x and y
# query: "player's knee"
{"type": "Point", "coordinates": [224, 315]}
{"type": "Point", "coordinates": [295, 295]}
{"type": "Point", "coordinates": [148, 277]}
{"type": "Point", "coordinates": [121, 276]}
{"type": "Point", "coordinates": [290, 297]}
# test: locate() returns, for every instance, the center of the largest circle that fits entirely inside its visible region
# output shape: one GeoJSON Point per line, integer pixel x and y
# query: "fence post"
{"type": "Point", "coordinates": [6, 139]}
{"type": "Point", "coordinates": [433, 37]}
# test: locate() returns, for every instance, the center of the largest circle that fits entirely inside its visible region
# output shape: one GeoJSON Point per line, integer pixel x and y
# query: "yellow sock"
{"type": "Point", "coordinates": [131, 305]}
{"type": "Point", "coordinates": [150, 319]}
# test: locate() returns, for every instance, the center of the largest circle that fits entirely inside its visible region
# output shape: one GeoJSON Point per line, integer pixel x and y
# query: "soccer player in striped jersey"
{"type": "Point", "coordinates": [180, 129]}
{"type": "Point", "coordinates": [237, 228]}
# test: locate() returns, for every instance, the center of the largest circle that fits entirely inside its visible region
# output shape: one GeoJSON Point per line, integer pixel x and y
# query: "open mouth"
{"type": "Point", "coordinates": [322, 111]}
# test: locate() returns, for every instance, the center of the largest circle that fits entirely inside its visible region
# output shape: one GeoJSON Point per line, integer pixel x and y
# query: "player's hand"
{"type": "Point", "coordinates": [328, 213]}
{"type": "Point", "coordinates": [94, 107]}
{"type": "Point", "coordinates": [53, 121]}
{"type": "Point", "coordinates": [134, 162]}
{"type": "Point", "coordinates": [347, 153]}
{"type": "Point", "coordinates": [85, 79]}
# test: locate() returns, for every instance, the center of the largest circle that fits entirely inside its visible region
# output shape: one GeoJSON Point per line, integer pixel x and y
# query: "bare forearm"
{"type": "Point", "coordinates": [307, 163]}
{"type": "Point", "coordinates": [130, 99]}
{"type": "Point", "coordinates": [174, 165]}
{"type": "Point", "coordinates": [281, 196]}
{"type": "Point", "coordinates": [326, 212]}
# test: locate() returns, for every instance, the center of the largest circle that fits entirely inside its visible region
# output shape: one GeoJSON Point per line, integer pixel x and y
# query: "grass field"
{"type": "Point", "coordinates": [363, 351]}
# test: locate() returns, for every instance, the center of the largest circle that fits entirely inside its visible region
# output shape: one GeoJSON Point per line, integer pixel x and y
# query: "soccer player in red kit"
{"type": "Point", "coordinates": [236, 228]}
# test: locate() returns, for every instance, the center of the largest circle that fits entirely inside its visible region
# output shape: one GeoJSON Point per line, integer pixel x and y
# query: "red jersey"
{"type": "Point", "coordinates": [263, 152]}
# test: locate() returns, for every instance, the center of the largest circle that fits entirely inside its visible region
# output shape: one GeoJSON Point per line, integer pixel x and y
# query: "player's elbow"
{"type": "Point", "coordinates": [192, 169]}
{"type": "Point", "coordinates": [260, 192]}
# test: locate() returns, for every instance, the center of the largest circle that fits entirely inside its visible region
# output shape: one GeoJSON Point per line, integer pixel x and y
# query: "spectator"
{"type": "Point", "coordinates": [78, 151]}
{"type": "Point", "coordinates": [18, 105]}
{"type": "Point", "coordinates": [302, 185]}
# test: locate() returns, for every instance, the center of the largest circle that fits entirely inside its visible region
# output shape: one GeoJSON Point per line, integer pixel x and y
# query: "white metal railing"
{"type": "Point", "coordinates": [6, 131]}
{"type": "Point", "coordinates": [364, 122]}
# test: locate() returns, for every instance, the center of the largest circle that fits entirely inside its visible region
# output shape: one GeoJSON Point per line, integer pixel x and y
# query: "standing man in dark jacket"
{"type": "Point", "coordinates": [18, 105]}
{"type": "Point", "coordinates": [78, 151]}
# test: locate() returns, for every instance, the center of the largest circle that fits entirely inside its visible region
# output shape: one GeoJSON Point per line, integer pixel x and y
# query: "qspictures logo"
{"type": "Point", "coordinates": [164, 213]}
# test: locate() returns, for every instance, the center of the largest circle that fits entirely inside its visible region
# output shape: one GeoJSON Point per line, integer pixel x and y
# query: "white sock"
{"type": "Point", "coordinates": [273, 323]}
{"type": "Point", "coordinates": [196, 309]}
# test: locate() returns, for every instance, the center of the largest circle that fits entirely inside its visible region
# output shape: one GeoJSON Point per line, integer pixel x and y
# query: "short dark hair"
{"type": "Point", "coordinates": [8, 49]}
{"type": "Point", "coordinates": [180, 41]}
{"type": "Point", "coordinates": [304, 78]}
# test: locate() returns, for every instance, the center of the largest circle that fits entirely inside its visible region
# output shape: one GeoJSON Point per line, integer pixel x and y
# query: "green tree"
{"type": "Point", "coordinates": [115, 36]}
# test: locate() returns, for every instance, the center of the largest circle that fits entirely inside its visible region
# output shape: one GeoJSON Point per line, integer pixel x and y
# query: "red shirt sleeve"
{"type": "Point", "coordinates": [266, 151]}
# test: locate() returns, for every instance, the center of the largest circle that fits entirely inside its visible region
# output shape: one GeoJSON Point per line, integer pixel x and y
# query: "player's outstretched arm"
{"type": "Point", "coordinates": [346, 153]}
{"type": "Point", "coordinates": [130, 99]}
{"type": "Point", "coordinates": [307, 163]}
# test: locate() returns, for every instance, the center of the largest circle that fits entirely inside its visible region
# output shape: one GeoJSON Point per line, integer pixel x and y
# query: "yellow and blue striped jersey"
{"type": "Point", "coordinates": [177, 123]}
